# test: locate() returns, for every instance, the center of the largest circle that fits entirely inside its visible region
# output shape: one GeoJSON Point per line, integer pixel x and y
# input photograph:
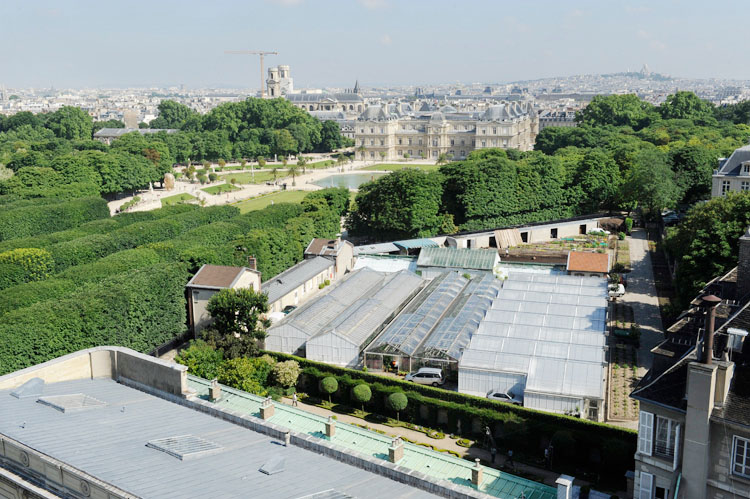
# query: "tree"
{"type": "Point", "coordinates": [397, 402]}
{"type": "Point", "coordinates": [362, 394]}
{"type": "Point", "coordinates": [619, 110]}
{"type": "Point", "coordinates": [329, 385]}
{"type": "Point", "coordinates": [172, 115]}
{"type": "Point", "coordinates": [201, 359]}
{"type": "Point", "coordinates": [651, 183]}
{"type": "Point", "coordinates": [382, 155]}
{"type": "Point", "coordinates": [442, 159]}
{"type": "Point", "coordinates": [693, 166]}
{"type": "Point", "coordinates": [274, 172]}
{"type": "Point", "coordinates": [286, 373]}
{"type": "Point", "coordinates": [284, 142]}
{"type": "Point", "coordinates": [250, 375]}
{"type": "Point", "coordinates": [237, 320]}
{"type": "Point", "coordinates": [405, 203]}
{"type": "Point", "coordinates": [71, 123]}
{"type": "Point", "coordinates": [261, 161]}
{"type": "Point", "coordinates": [686, 105]}
{"type": "Point", "coordinates": [599, 179]}
{"type": "Point", "coordinates": [301, 162]}
{"type": "Point", "coordinates": [330, 136]}
{"type": "Point", "coordinates": [362, 149]}
{"type": "Point", "coordinates": [293, 171]}
{"type": "Point", "coordinates": [98, 125]}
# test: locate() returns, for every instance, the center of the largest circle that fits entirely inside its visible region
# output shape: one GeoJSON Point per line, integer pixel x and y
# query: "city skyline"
{"type": "Point", "coordinates": [380, 42]}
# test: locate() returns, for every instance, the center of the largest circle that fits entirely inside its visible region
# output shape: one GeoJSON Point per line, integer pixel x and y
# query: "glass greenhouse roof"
{"type": "Point", "coordinates": [463, 258]}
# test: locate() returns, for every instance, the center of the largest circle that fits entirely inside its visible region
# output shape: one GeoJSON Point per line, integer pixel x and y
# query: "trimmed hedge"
{"type": "Point", "coordinates": [605, 449]}
{"type": "Point", "coordinates": [43, 219]}
{"type": "Point", "coordinates": [24, 265]}
{"type": "Point", "coordinates": [90, 248]}
{"type": "Point", "coordinates": [138, 309]}
{"type": "Point", "coordinates": [116, 263]}
{"type": "Point", "coordinates": [101, 226]}
{"type": "Point", "coordinates": [27, 294]}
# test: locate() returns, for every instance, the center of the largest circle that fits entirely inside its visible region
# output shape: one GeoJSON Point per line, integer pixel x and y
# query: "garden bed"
{"type": "Point", "coordinates": [623, 379]}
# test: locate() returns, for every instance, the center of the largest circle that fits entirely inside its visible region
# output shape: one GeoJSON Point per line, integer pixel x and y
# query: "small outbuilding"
{"type": "Point", "coordinates": [434, 261]}
{"type": "Point", "coordinates": [586, 264]}
{"type": "Point", "coordinates": [208, 281]}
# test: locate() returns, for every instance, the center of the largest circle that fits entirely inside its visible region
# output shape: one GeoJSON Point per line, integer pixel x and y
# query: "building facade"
{"type": "Point", "coordinates": [694, 422]}
{"type": "Point", "coordinates": [733, 173]}
{"type": "Point", "coordinates": [386, 133]}
{"type": "Point", "coordinates": [280, 81]}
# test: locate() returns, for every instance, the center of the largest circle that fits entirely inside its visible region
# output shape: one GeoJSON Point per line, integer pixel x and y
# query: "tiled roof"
{"type": "Point", "coordinates": [580, 261]}
{"type": "Point", "coordinates": [216, 276]}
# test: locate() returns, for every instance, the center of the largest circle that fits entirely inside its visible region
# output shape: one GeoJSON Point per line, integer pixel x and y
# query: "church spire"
{"type": "Point", "coordinates": [356, 87]}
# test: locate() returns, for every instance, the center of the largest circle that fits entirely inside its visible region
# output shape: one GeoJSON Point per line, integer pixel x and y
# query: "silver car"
{"type": "Point", "coordinates": [427, 376]}
{"type": "Point", "coordinates": [504, 397]}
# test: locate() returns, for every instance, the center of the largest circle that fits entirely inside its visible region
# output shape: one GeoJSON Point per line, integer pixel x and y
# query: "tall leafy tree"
{"type": "Point", "coordinates": [651, 182]}
{"type": "Point", "coordinates": [172, 115]}
{"type": "Point", "coordinates": [619, 110]}
{"type": "Point", "coordinates": [686, 105]}
{"type": "Point", "coordinates": [71, 123]}
{"type": "Point", "coordinates": [599, 179]}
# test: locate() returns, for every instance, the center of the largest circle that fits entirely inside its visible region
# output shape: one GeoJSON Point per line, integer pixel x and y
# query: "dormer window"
{"type": "Point", "coordinates": [746, 168]}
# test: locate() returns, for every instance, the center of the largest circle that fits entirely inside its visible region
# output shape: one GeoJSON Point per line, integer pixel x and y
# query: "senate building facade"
{"type": "Point", "coordinates": [396, 131]}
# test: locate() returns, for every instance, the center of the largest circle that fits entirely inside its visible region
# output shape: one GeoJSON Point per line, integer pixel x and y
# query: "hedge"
{"type": "Point", "coordinates": [90, 248]}
{"type": "Point", "coordinates": [101, 226]}
{"type": "Point", "coordinates": [606, 449]}
{"type": "Point", "coordinates": [138, 309]}
{"type": "Point", "coordinates": [116, 263]}
{"type": "Point", "coordinates": [271, 216]}
{"type": "Point", "coordinates": [27, 294]}
{"type": "Point", "coordinates": [24, 265]}
{"type": "Point", "coordinates": [43, 219]}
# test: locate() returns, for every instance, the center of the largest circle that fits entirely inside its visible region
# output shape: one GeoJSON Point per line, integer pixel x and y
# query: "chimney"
{"type": "Point", "coordinates": [252, 263]}
{"type": "Point", "coordinates": [266, 409]}
{"type": "Point", "coordinates": [743, 267]}
{"type": "Point", "coordinates": [477, 473]}
{"type": "Point", "coordinates": [330, 427]}
{"type": "Point", "coordinates": [710, 303]}
{"type": "Point", "coordinates": [396, 450]}
{"type": "Point", "coordinates": [565, 487]}
{"type": "Point", "coordinates": [214, 392]}
{"type": "Point", "coordinates": [287, 438]}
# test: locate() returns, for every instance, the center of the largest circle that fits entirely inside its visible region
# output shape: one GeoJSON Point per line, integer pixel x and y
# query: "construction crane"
{"type": "Point", "coordinates": [261, 53]}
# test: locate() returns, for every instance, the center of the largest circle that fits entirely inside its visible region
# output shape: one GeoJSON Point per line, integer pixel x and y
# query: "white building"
{"type": "Point", "coordinates": [733, 173]}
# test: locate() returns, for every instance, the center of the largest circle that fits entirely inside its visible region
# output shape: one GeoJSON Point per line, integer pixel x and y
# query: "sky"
{"type": "Point", "coordinates": [330, 43]}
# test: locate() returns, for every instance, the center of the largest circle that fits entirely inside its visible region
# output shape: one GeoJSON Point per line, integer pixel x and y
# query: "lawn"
{"type": "Point", "coordinates": [253, 178]}
{"type": "Point", "coordinates": [221, 188]}
{"type": "Point", "coordinates": [260, 202]}
{"type": "Point", "coordinates": [393, 167]}
{"type": "Point", "coordinates": [320, 164]}
{"type": "Point", "coordinates": [177, 198]}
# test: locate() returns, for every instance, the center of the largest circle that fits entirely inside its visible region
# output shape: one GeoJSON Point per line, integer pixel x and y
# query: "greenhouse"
{"type": "Point", "coordinates": [437, 325]}
{"type": "Point", "coordinates": [291, 334]}
{"type": "Point", "coordinates": [543, 340]}
{"type": "Point", "coordinates": [341, 341]}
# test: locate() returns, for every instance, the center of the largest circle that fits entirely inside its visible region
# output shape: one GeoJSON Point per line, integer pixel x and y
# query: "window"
{"type": "Point", "coordinates": [382, 142]}
{"type": "Point", "coordinates": [409, 141]}
{"type": "Point", "coordinates": [361, 130]}
{"type": "Point", "coordinates": [484, 131]}
{"type": "Point", "coordinates": [505, 142]}
{"type": "Point", "coordinates": [745, 185]}
{"type": "Point", "coordinates": [741, 457]}
{"type": "Point", "coordinates": [524, 237]}
{"type": "Point", "coordinates": [363, 142]}
{"type": "Point", "coordinates": [382, 130]}
{"type": "Point", "coordinates": [400, 141]}
{"type": "Point", "coordinates": [462, 142]}
{"type": "Point", "coordinates": [553, 233]}
{"type": "Point", "coordinates": [411, 153]}
{"type": "Point", "coordinates": [664, 437]}
{"type": "Point", "coordinates": [400, 152]}
{"type": "Point", "coordinates": [372, 130]}
{"type": "Point", "coordinates": [746, 168]}
{"type": "Point", "coordinates": [420, 142]}
{"type": "Point", "coordinates": [494, 130]}
{"type": "Point", "coordinates": [372, 155]}
{"type": "Point", "coordinates": [647, 485]}
{"type": "Point", "coordinates": [434, 154]}
{"type": "Point", "coordinates": [434, 142]}
{"type": "Point", "coordinates": [453, 142]}
{"type": "Point", "coordinates": [484, 143]}
{"type": "Point", "coordinates": [645, 433]}
{"type": "Point", "coordinates": [452, 153]}
{"type": "Point", "coordinates": [661, 493]}
{"type": "Point", "coordinates": [372, 142]}
{"type": "Point", "coordinates": [725, 187]}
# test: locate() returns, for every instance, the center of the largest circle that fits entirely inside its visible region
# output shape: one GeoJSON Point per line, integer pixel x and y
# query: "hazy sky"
{"type": "Point", "coordinates": [331, 42]}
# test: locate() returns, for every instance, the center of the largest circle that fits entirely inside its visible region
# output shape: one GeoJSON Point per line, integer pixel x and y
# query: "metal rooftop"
{"type": "Point", "coordinates": [463, 258]}
{"type": "Point", "coordinates": [408, 244]}
{"type": "Point", "coordinates": [294, 277]}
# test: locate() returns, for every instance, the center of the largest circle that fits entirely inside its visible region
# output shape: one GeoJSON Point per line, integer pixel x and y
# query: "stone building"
{"type": "Point", "coordinates": [733, 173]}
{"type": "Point", "coordinates": [694, 424]}
{"type": "Point", "coordinates": [280, 81]}
{"type": "Point", "coordinates": [392, 132]}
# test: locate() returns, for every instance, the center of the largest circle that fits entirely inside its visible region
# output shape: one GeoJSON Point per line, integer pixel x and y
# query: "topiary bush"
{"type": "Point", "coordinates": [328, 385]}
{"type": "Point", "coordinates": [43, 219]}
{"type": "Point", "coordinates": [24, 265]}
{"type": "Point", "coordinates": [397, 402]}
{"type": "Point", "coordinates": [362, 394]}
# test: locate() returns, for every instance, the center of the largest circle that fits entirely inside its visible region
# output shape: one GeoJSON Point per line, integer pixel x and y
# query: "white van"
{"type": "Point", "coordinates": [427, 376]}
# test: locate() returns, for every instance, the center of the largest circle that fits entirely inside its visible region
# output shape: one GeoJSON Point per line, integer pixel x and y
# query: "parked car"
{"type": "Point", "coordinates": [504, 397]}
{"type": "Point", "coordinates": [427, 376]}
{"type": "Point", "coordinates": [616, 290]}
{"type": "Point", "coordinates": [288, 309]}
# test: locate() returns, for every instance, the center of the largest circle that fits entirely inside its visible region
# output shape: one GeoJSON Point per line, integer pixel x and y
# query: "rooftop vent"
{"type": "Point", "coordinates": [276, 464]}
{"type": "Point", "coordinates": [32, 388]}
{"type": "Point", "coordinates": [184, 446]}
{"type": "Point", "coordinates": [71, 403]}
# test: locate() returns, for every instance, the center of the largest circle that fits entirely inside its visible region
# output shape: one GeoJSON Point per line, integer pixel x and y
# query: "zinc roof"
{"type": "Point", "coordinates": [292, 278]}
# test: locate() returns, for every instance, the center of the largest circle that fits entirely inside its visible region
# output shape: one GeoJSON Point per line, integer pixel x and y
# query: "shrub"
{"type": "Point", "coordinates": [286, 373]}
{"type": "Point", "coordinates": [139, 309]}
{"type": "Point", "coordinates": [267, 358]}
{"type": "Point", "coordinates": [24, 295]}
{"type": "Point", "coordinates": [201, 359]}
{"type": "Point", "coordinates": [43, 219]}
{"type": "Point", "coordinates": [621, 236]}
{"type": "Point", "coordinates": [245, 374]}
{"type": "Point", "coordinates": [628, 225]}
{"type": "Point", "coordinates": [397, 402]}
{"type": "Point", "coordinates": [116, 263]}
{"type": "Point", "coordinates": [362, 394]}
{"type": "Point", "coordinates": [24, 265]}
{"type": "Point", "coordinates": [212, 177]}
{"type": "Point", "coordinates": [564, 446]}
{"type": "Point", "coordinates": [329, 385]}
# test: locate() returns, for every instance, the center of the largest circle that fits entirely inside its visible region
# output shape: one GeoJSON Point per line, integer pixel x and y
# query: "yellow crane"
{"type": "Point", "coordinates": [261, 53]}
